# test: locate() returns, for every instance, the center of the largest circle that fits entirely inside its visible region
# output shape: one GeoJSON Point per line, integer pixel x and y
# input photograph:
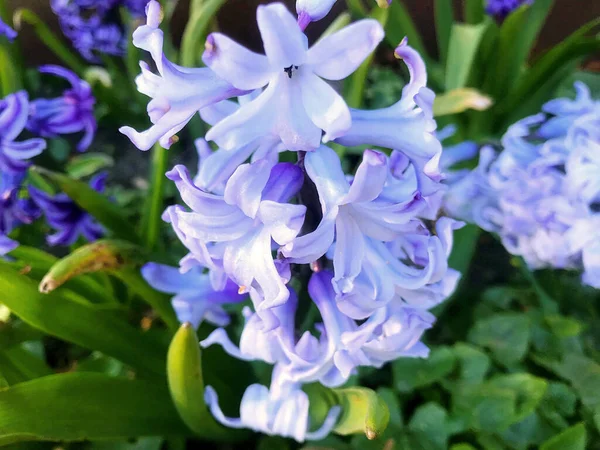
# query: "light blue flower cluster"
{"type": "Point", "coordinates": [368, 249]}
{"type": "Point", "coordinates": [541, 194]}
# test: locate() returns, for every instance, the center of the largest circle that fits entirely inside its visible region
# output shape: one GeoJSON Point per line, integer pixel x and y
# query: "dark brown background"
{"type": "Point", "coordinates": [237, 20]}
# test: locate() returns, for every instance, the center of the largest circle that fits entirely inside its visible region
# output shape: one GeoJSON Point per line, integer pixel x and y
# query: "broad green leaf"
{"type": "Point", "coordinates": [560, 397]}
{"type": "Point", "coordinates": [82, 324]}
{"type": "Point", "coordinates": [474, 364]}
{"type": "Point", "coordinates": [574, 438]}
{"type": "Point", "coordinates": [529, 391]}
{"type": "Point", "coordinates": [201, 15]}
{"type": "Point", "coordinates": [463, 249]}
{"type": "Point", "coordinates": [86, 406]}
{"type": "Point", "coordinates": [15, 332]}
{"type": "Point", "coordinates": [186, 383]}
{"type": "Point", "coordinates": [444, 15]}
{"type": "Point", "coordinates": [462, 447]}
{"type": "Point", "coordinates": [102, 255]}
{"type": "Point", "coordinates": [147, 443]}
{"type": "Point", "coordinates": [17, 364]}
{"type": "Point", "coordinates": [390, 398]}
{"type": "Point", "coordinates": [412, 373]}
{"type": "Point", "coordinates": [483, 407]}
{"type": "Point", "coordinates": [507, 335]}
{"type": "Point", "coordinates": [362, 411]}
{"type": "Point", "coordinates": [460, 100]}
{"type": "Point", "coordinates": [464, 42]}
{"type": "Point", "coordinates": [531, 431]}
{"type": "Point", "coordinates": [81, 166]}
{"type": "Point", "coordinates": [97, 362]}
{"type": "Point", "coordinates": [9, 76]}
{"type": "Point", "coordinates": [98, 205]}
{"type": "Point", "coordinates": [36, 263]}
{"type": "Point", "coordinates": [563, 327]}
{"type": "Point", "coordinates": [429, 427]}
{"type": "Point", "coordinates": [474, 11]}
{"type": "Point", "coordinates": [154, 207]}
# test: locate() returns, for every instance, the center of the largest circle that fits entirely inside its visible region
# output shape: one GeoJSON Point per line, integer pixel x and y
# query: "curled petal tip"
{"type": "Point", "coordinates": [136, 138]}
{"type": "Point", "coordinates": [398, 53]}
{"type": "Point", "coordinates": [303, 20]}
{"type": "Point", "coordinates": [374, 158]}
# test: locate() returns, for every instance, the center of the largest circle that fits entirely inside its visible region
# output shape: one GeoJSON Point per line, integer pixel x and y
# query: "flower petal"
{"type": "Point", "coordinates": [370, 177]}
{"type": "Point", "coordinates": [284, 42]}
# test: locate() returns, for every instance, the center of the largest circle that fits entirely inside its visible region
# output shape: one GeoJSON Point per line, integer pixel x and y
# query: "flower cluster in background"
{"type": "Point", "coordinates": [94, 27]}
{"type": "Point", "coordinates": [376, 246]}
{"type": "Point", "coordinates": [541, 193]}
{"type": "Point", "coordinates": [500, 9]}
{"type": "Point", "coordinates": [47, 118]}
{"type": "Point", "coordinates": [7, 31]}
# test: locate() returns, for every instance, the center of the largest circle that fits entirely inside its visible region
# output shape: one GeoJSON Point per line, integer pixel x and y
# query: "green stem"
{"type": "Point", "coordinates": [357, 8]}
{"type": "Point", "coordinates": [50, 39]}
{"type": "Point", "coordinates": [154, 209]}
{"type": "Point", "coordinates": [194, 35]}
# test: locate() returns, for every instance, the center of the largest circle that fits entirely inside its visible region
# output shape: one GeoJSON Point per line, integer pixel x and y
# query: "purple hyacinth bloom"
{"type": "Point", "coordinates": [66, 217]}
{"type": "Point", "coordinates": [195, 297]}
{"type": "Point", "coordinates": [73, 112]}
{"type": "Point", "coordinates": [177, 92]}
{"type": "Point", "coordinates": [14, 211]}
{"type": "Point", "coordinates": [90, 27]}
{"type": "Point", "coordinates": [7, 31]}
{"type": "Point", "coordinates": [500, 9]}
{"type": "Point", "coordinates": [407, 126]}
{"type": "Point", "coordinates": [14, 156]}
{"type": "Point", "coordinates": [296, 104]}
{"type": "Point", "coordinates": [313, 10]}
{"type": "Point", "coordinates": [282, 410]}
{"type": "Point", "coordinates": [360, 216]}
{"type": "Point", "coordinates": [236, 230]}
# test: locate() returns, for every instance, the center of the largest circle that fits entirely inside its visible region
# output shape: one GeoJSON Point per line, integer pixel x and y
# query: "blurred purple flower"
{"type": "Point", "coordinates": [66, 217]}
{"type": "Point", "coordinates": [177, 92]}
{"type": "Point", "coordinates": [500, 9]}
{"type": "Point", "coordinates": [296, 104]}
{"type": "Point", "coordinates": [7, 31]}
{"type": "Point", "coordinates": [73, 112]}
{"type": "Point", "coordinates": [195, 298]}
{"type": "Point", "coordinates": [241, 224]}
{"type": "Point", "coordinates": [14, 210]}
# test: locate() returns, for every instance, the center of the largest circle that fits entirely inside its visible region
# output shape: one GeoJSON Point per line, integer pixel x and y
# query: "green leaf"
{"type": "Point", "coordinates": [154, 207]}
{"type": "Point", "coordinates": [18, 364]}
{"type": "Point", "coordinates": [429, 427]}
{"type": "Point", "coordinates": [80, 323]}
{"type": "Point", "coordinates": [99, 206]}
{"type": "Point", "coordinates": [186, 384]}
{"type": "Point", "coordinates": [575, 46]}
{"type": "Point", "coordinates": [474, 11]}
{"type": "Point", "coordinates": [148, 443]}
{"type": "Point", "coordinates": [474, 364]}
{"type": "Point", "coordinates": [412, 373]}
{"type": "Point", "coordinates": [529, 391]}
{"type": "Point", "coordinates": [363, 411]}
{"type": "Point", "coordinates": [561, 398]}
{"type": "Point", "coordinates": [464, 42]}
{"type": "Point", "coordinates": [507, 335]}
{"type": "Point", "coordinates": [460, 100]}
{"type": "Point", "coordinates": [390, 398]}
{"type": "Point", "coordinates": [82, 406]}
{"type": "Point", "coordinates": [563, 327]}
{"type": "Point", "coordinates": [194, 35]}
{"type": "Point", "coordinates": [102, 255]}
{"type": "Point", "coordinates": [444, 15]}
{"type": "Point", "coordinates": [81, 166]}
{"type": "Point", "coordinates": [483, 407]}
{"type": "Point", "coordinates": [517, 36]}
{"type": "Point", "coordinates": [463, 249]}
{"type": "Point", "coordinates": [15, 332]}
{"type": "Point", "coordinates": [573, 438]}
{"type": "Point", "coordinates": [9, 75]}
{"type": "Point", "coordinates": [462, 447]}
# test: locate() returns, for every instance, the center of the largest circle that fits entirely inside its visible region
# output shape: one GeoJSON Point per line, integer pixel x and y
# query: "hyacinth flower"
{"type": "Point", "coordinates": [66, 217]}
{"type": "Point", "coordinates": [177, 92]}
{"type": "Point", "coordinates": [407, 126]}
{"type": "Point", "coordinates": [313, 10]}
{"type": "Point", "coordinates": [500, 9]}
{"type": "Point", "coordinates": [282, 410]}
{"type": "Point", "coordinates": [241, 224]}
{"type": "Point", "coordinates": [195, 297]}
{"type": "Point", "coordinates": [73, 112]}
{"type": "Point", "coordinates": [7, 31]}
{"type": "Point", "coordinates": [215, 168]}
{"type": "Point", "coordinates": [542, 191]}
{"type": "Point", "coordinates": [14, 211]}
{"type": "Point", "coordinates": [361, 216]}
{"type": "Point", "coordinates": [296, 105]}
{"type": "Point", "coordinates": [15, 156]}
